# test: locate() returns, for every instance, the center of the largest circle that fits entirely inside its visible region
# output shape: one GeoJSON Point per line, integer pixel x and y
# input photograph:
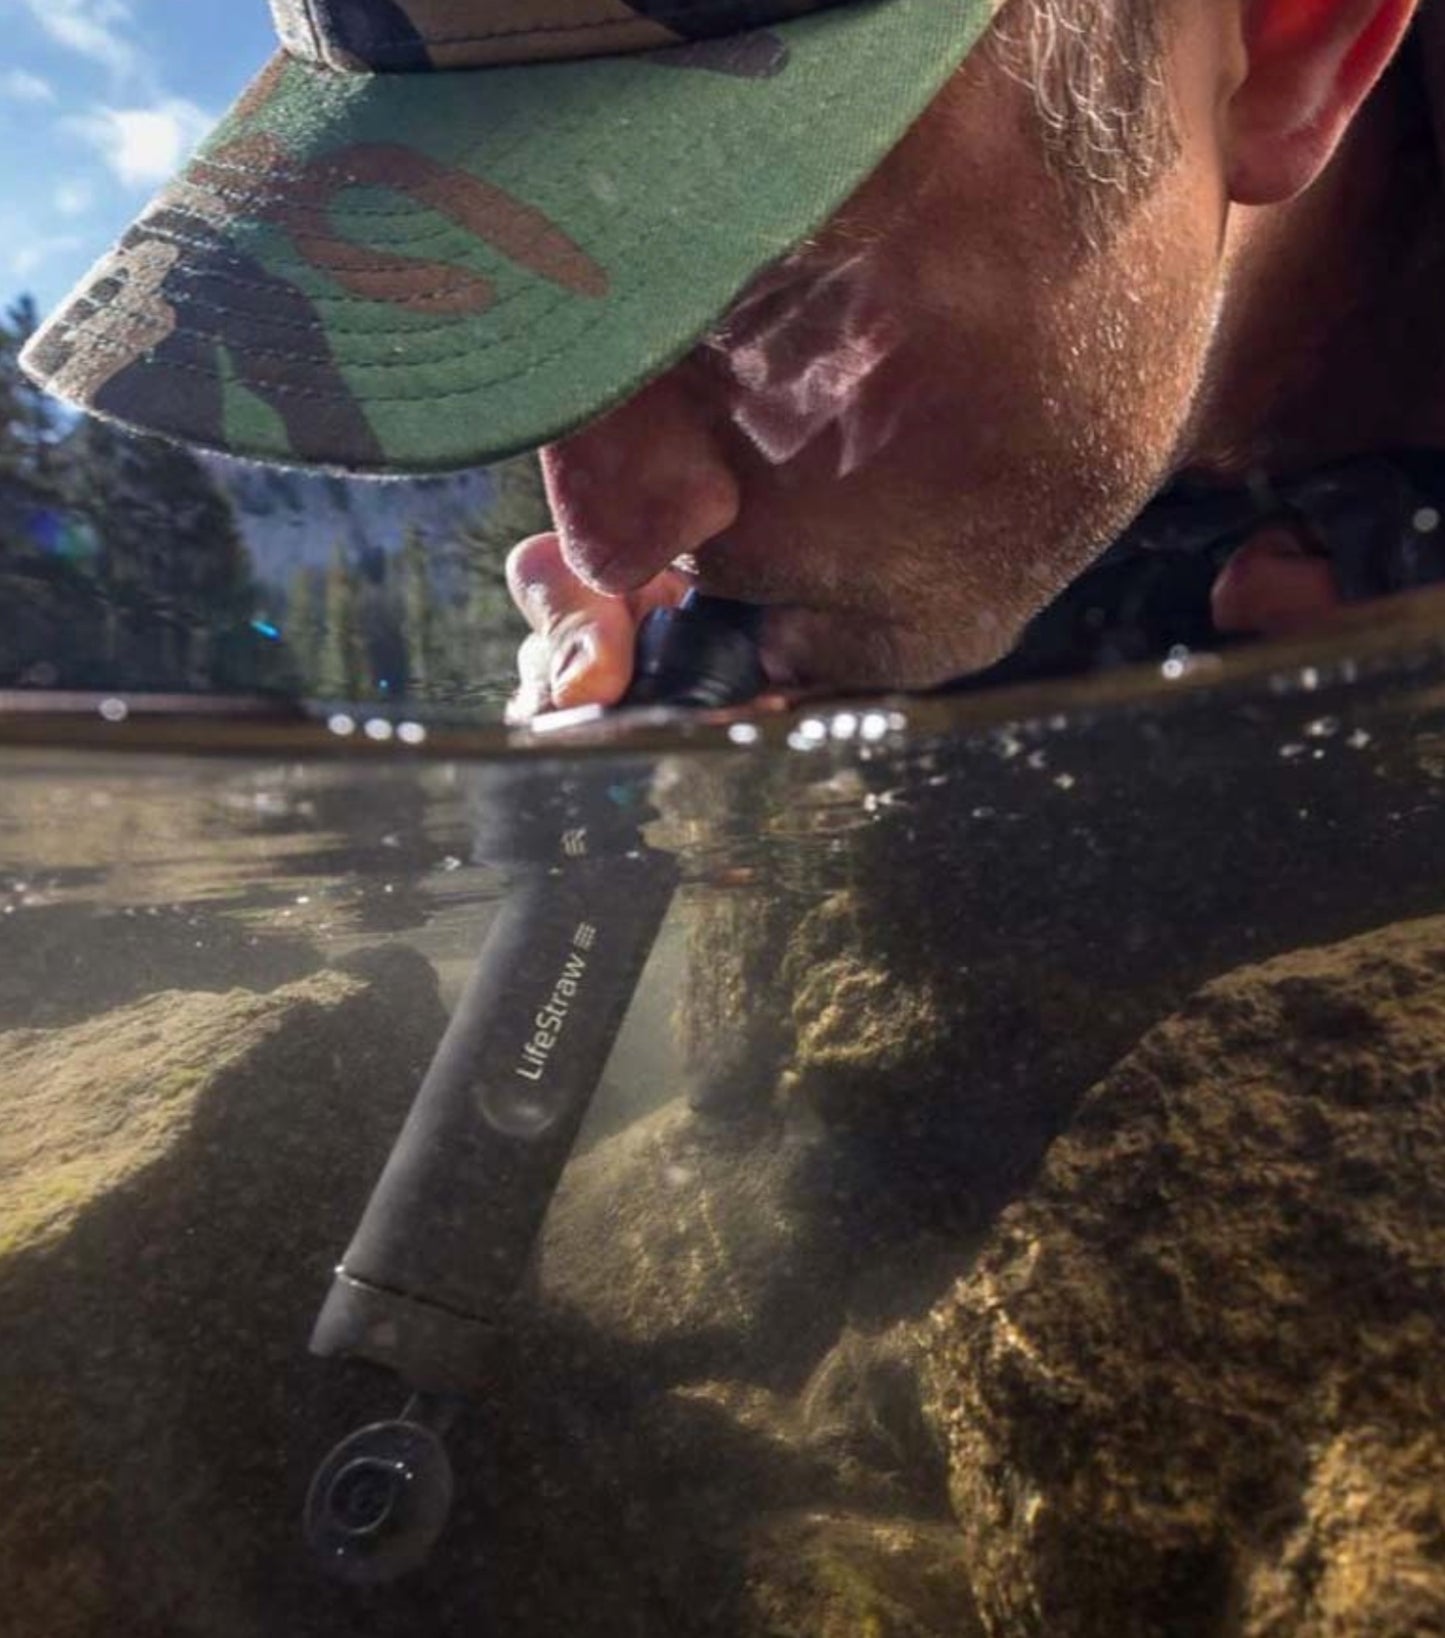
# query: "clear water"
{"type": "Point", "coordinates": [904, 944]}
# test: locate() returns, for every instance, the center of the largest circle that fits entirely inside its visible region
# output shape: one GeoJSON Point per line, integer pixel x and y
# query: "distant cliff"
{"type": "Point", "coordinates": [291, 520]}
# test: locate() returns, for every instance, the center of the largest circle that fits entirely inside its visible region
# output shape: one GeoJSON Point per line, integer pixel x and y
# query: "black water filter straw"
{"type": "Point", "coordinates": [444, 1242]}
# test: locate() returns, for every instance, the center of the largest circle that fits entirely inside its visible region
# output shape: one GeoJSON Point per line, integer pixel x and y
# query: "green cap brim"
{"type": "Point", "coordinates": [410, 273]}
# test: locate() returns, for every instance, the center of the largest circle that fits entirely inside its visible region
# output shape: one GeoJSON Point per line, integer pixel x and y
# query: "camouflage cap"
{"type": "Point", "coordinates": [436, 232]}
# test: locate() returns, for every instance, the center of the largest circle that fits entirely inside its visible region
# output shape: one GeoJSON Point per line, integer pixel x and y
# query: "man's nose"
{"type": "Point", "coordinates": [637, 488]}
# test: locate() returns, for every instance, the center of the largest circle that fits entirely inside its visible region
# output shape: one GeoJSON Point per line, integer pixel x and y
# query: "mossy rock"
{"type": "Point", "coordinates": [1193, 1384]}
{"type": "Point", "coordinates": [177, 1178]}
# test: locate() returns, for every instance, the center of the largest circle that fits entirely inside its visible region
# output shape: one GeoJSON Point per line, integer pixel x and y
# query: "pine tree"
{"type": "Point", "coordinates": [340, 670]}
{"type": "Point", "coordinates": [32, 498]}
{"type": "Point", "coordinates": [475, 631]}
{"type": "Point", "coordinates": [30, 428]}
{"type": "Point", "coordinates": [303, 625]}
{"type": "Point", "coordinates": [50, 635]}
{"type": "Point", "coordinates": [379, 625]}
{"type": "Point", "coordinates": [172, 563]}
{"type": "Point", "coordinates": [518, 509]}
{"type": "Point", "coordinates": [418, 614]}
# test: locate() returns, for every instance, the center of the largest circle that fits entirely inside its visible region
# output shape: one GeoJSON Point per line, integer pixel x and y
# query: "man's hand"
{"type": "Point", "coordinates": [581, 647]}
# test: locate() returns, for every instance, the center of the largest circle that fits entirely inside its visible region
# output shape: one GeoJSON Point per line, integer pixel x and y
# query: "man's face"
{"type": "Point", "coordinates": [911, 434]}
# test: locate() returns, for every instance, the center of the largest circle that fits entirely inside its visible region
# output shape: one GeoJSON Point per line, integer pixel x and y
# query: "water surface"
{"type": "Point", "coordinates": [1011, 1203]}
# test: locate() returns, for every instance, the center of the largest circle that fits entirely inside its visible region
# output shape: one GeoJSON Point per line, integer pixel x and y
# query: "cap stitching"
{"type": "Point", "coordinates": [478, 346]}
{"type": "Point", "coordinates": [253, 286]}
{"type": "Point", "coordinates": [312, 325]}
{"type": "Point", "coordinates": [258, 202]}
{"type": "Point", "coordinates": [217, 338]}
{"type": "Point", "coordinates": [244, 200]}
{"type": "Point", "coordinates": [333, 267]}
{"type": "Point", "coordinates": [207, 338]}
{"type": "Point", "coordinates": [176, 367]}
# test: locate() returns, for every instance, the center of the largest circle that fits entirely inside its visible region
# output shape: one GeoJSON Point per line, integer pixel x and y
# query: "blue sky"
{"type": "Point", "coordinates": [99, 102]}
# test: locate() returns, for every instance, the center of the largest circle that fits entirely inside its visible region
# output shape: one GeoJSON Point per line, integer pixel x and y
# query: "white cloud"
{"type": "Point", "coordinates": [16, 85]}
{"type": "Point", "coordinates": [94, 28]}
{"type": "Point", "coordinates": [143, 146]}
{"type": "Point", "coordinates": [39, 249]}
{"type": "Point", "coordinates": [74, 198]}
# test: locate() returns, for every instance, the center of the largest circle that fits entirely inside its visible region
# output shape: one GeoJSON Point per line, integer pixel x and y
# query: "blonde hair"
{"type": "Point", "coordinates": [1093, 68]}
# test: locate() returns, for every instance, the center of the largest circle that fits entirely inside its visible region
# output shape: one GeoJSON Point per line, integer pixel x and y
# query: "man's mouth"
{"type": "Point", "coordinates": [720, 568]}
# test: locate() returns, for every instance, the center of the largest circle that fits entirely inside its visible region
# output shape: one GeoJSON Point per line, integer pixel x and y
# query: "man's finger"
{"type": "Point", "coordinates": [581, 650]}
{"type": "Point", "coordinates": [533, 695]}
{"type": "Point", "coordinates": [542, 586]}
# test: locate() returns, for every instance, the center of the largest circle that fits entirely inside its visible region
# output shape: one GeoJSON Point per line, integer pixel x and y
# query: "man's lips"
{"type": "Point", "coordinates": [805, 639]}
{"type": "Point", "coordinates": [775, 574]}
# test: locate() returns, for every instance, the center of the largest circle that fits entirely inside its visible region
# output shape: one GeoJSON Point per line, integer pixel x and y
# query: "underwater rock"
{"type": "Point", "coordinates": [732, 1025]}
{"type": "Point", "coordinates": [818, 1574]}
{"type": "Point", "coordinates": [177, 1177]}
{"type": "Point", "coordinates": [1193, 1383]}
{"type": "Point", "coordinates": [698, 1244]}
{"type": "Point", "coordinates": [720, 1509]}
{"type": "Point", "coordinates": [678, 1442]}
{"type": "Point", "coordinates": [861, 1540]}
{"type": "Point", "coordinates": [862, 1031]}
{"type": "Point", "coordinates": [66, 963]}
{"type": "Point", "coordinates": [1189, 1387]}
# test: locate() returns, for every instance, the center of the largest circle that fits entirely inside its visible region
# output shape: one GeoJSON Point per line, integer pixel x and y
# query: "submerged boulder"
{"type": "Point", "coordinates": [675, 1441]}
{"type": "Point", "coordinates": [825, 1574]}
{"type": "Point", "coordinates": [1187, 1386]}
{"type": "Point", "coordinates": [177, 1177]}
{"type": "Point", "coordinates": [699, 1245]}
{"type": "Point", "coordinates": [1193, 1385]}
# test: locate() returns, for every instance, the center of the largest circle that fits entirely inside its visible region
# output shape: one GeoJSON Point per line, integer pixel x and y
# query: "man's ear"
{"type": "Point", "coordinates": [1310, 64]}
